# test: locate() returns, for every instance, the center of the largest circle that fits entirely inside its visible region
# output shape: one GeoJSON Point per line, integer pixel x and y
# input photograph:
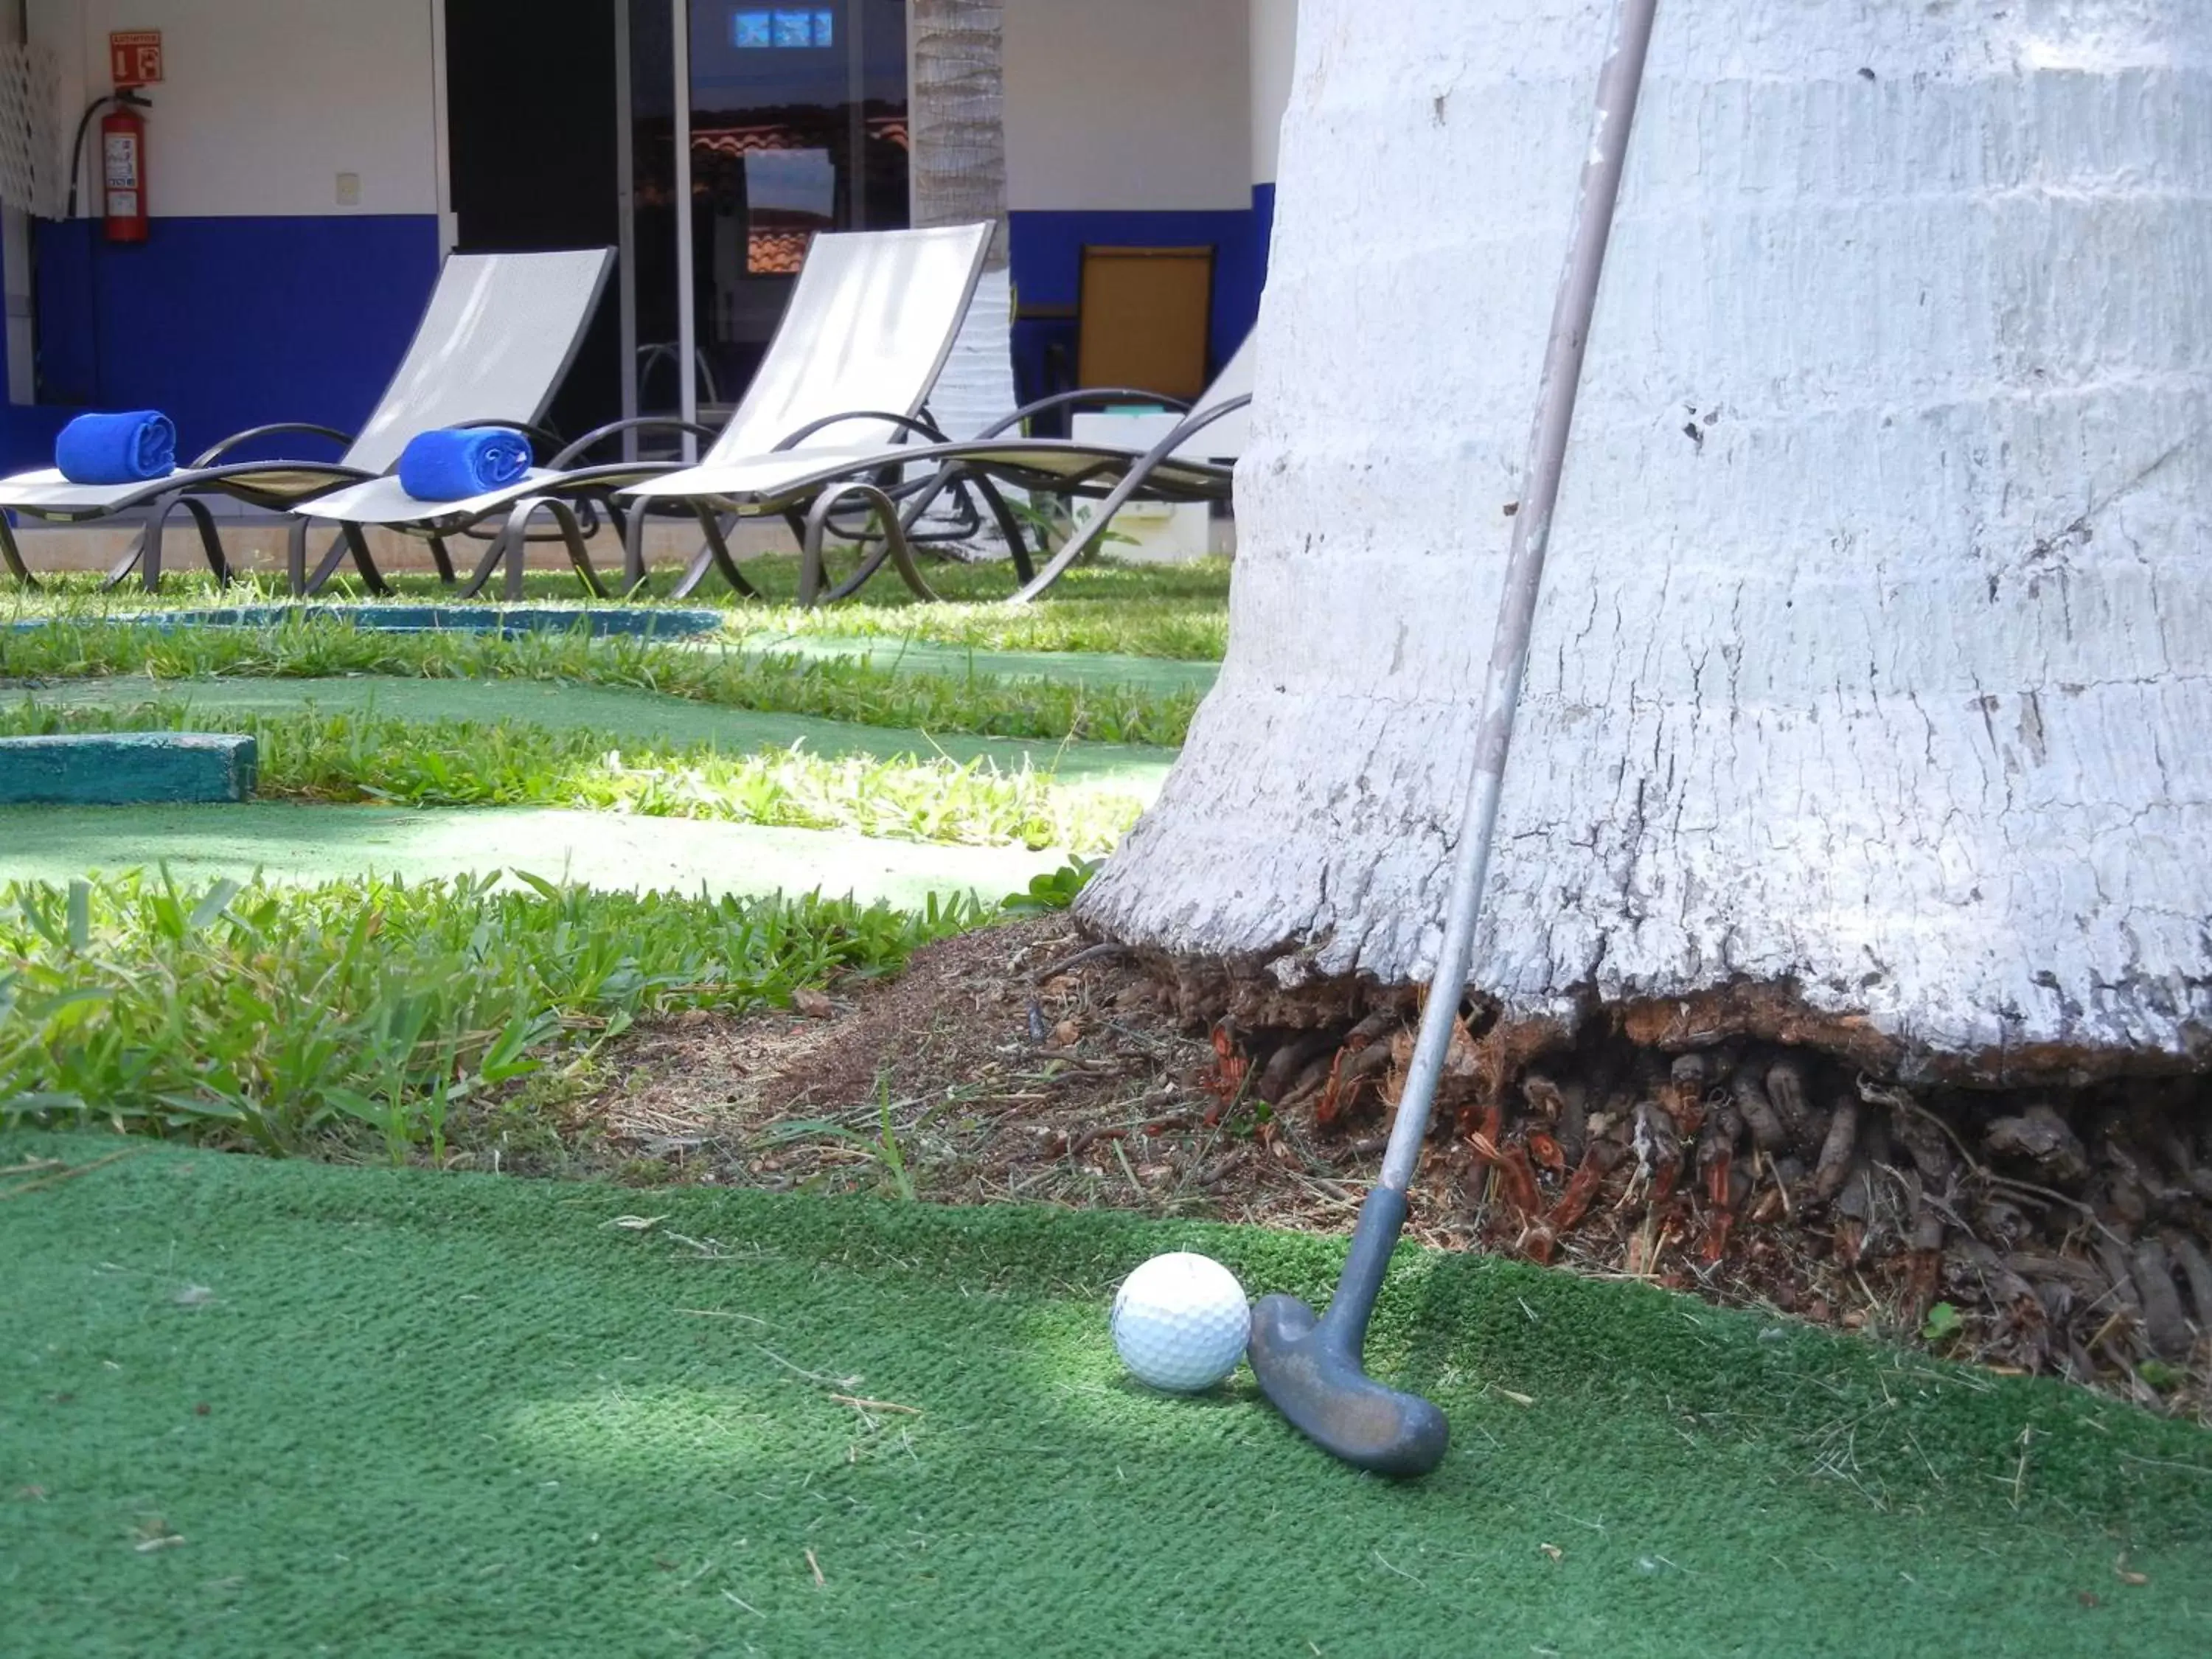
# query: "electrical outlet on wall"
{"type": "Point", "coordinates": [348, 190]}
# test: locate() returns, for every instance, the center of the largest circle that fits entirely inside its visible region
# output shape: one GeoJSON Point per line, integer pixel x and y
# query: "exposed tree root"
{"type": "Point", "coordinates": [2063, 1227]}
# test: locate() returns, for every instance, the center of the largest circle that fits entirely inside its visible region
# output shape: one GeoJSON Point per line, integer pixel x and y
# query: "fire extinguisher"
{"type": "Point", "coordinates": [122, 167]}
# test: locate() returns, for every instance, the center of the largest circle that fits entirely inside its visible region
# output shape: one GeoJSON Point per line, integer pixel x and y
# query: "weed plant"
{"type": "Point", "coordinates": [372, 1015]}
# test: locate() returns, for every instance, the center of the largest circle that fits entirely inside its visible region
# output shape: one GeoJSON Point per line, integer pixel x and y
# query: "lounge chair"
{"type": "Point", "coordinates": [494, 341]}
{"type": "Point", "coordinates": [868, 327]}
{"type": "Point", "coordinates": [1197, 462]}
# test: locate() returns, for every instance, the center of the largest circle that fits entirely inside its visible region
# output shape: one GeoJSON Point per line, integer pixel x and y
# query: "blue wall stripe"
{"type": "Point", "coordinates": [1046, 252]}
{"type": "Point", "coordinates": [228, 323]}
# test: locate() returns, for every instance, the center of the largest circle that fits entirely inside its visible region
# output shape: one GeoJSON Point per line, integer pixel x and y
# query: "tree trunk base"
{"type": "Point", "coordinates": [2062, 1199]}
{"type": "Point", "coordinates": [1254, 994]}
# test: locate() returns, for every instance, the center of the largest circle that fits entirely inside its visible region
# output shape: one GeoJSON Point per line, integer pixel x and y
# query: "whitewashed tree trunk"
{"type": "Point", "coordinates": [957, 108]}
{"type": "Point", "coordinates": [1874, 676]}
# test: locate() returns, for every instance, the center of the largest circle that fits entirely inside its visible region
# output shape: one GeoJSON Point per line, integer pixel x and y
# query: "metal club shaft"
{"type": "Point", "coordinates": [1618, 84]}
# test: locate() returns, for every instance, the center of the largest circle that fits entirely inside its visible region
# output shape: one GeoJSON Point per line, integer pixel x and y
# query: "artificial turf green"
{"type": "Point", "coordinates": [613, 851]}
{"type": "Point", "coordinates": [401, 1413]}
{"type": "Point", "coordinates": [634, 716]}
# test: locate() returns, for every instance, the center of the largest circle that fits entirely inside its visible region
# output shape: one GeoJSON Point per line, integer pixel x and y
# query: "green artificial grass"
{"type": "Point", "coordinates": [310, 756]}
{"type": "Point", "coordinates": [611, 852]}
{"type": "Point", "coordinates": [289, 1019]}
{"type": "Point", "coordinates": [251, 1407]}
{"type": "Point", "coordinates": [831, 686]}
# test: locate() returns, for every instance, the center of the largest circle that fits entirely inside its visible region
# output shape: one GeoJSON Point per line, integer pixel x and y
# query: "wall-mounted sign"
{"type": "Point", "coordinates": [134, 57]}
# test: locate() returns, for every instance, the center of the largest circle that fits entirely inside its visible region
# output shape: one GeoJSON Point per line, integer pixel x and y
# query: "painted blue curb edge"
{"type": "Point", "coordinates": [132, 768]}
{"type": "Point", "coordinates": [510, 621]}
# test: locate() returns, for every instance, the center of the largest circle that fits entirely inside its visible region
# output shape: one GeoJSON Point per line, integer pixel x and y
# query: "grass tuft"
{"type": "Point", "coordinates": [1178, 611]}
{"type": "Point", "coordinates": [372, 1014]}
{"type": "Point", "coordinates": [311, 647]}
{"type": "Point", "coordinates": [354, 758]}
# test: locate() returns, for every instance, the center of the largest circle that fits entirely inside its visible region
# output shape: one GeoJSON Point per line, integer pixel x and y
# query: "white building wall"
{"type": "Point", "coordinates": [267, 102]}
{"type": "Point", "coordinates": [1136, 105]}
{"type": "Point", "coordinates": [1273, 27]}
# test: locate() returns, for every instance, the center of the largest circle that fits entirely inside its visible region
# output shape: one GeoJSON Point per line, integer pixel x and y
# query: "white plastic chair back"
{"type": "Point", "coordinates": [1225, 439]}
{"type": "Point", "coordinates": [870, 321]}
{"type": "Point", "coordinates": [497, 336]}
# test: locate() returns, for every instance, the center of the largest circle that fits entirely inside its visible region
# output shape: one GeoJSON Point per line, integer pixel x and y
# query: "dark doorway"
{"type": "Point", "coordinates": [532, 113]}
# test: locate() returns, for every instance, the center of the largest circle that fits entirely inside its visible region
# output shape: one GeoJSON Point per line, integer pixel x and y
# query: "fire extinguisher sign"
{"type": "Point", "coordinates": [134, 57]}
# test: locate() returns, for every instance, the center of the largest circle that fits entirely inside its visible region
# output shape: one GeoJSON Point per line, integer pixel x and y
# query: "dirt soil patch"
{"type": "Point", "coordinates": [2066, 1232]}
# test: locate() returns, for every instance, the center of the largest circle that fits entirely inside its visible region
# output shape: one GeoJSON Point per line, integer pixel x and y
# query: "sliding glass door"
{"type": "Point", "coordinates": [790, 120]}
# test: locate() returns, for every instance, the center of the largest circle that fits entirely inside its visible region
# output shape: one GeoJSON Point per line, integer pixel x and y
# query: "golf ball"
{"type": "Point", "coordinates": [1180, 1322]}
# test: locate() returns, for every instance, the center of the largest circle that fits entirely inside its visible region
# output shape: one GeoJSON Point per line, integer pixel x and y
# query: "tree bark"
{"type": "Point", "coordinates": [957, 116]}
{"type": "Point", "coordinates": [1872, 679]}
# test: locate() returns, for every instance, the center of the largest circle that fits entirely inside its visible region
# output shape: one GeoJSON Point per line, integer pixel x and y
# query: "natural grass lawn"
{"type": "Point", "coordinates": [1146, 610]}
{"type": "Point", "coordinates": [81, 647]}
{"type": "Point", "coordinates": [256, 1407]}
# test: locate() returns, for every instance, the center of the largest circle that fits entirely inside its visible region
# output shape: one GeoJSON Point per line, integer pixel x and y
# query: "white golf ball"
{"type": "Point", "coordinates": [1180, 1322]}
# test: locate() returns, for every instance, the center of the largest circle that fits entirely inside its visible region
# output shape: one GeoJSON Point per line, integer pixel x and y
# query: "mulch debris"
{"type": "Point", "coordinates": [2063, 1232]}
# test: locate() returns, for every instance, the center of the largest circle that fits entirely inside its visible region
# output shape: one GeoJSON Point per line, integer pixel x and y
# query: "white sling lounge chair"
{"type": "Point", "coordinates": [496, 337]}
{"type": "Point", "coordinates": [1197, 462]}
{"type": "Point", "coordinates": [869, 326]}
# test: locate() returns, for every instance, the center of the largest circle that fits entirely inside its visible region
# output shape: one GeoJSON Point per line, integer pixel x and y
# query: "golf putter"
{"type": "Point", "coordinates": [1311, 1366]}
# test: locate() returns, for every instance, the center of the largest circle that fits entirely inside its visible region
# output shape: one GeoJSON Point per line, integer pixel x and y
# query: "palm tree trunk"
{"type": "Point", "coordinates": [957, 109]}
{"type": "Point", "coordinates": [1871, 680]}
{"type": "Point", "coordinates": [958, 105]}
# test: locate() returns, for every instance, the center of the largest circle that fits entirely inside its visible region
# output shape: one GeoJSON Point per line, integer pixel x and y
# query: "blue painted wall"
{"type": "Point", "coordinates": [224, 323]}
{"type": "Point", "coordinates": [1046, 252]}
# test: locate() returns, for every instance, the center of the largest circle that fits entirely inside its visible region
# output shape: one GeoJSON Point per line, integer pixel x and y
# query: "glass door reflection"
{"type": "Point", "coordinates": [798, 126]}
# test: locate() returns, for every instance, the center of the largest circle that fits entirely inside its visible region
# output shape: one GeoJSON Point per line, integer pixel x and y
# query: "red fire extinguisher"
{"type": "Point", "coordinates": [122, 167]}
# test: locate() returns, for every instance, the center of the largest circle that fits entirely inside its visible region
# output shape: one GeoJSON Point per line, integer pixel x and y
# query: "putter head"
{"type": "Point", "coordinates": [1310, 1367]}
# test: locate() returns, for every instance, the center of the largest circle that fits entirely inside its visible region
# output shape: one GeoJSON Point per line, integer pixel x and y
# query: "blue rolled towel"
{"type": "Point", "coordinates": [117, 449]}
{"type": "Point", "coordinates": [452, 463]}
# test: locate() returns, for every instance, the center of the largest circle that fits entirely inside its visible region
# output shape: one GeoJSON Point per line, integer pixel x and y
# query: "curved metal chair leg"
{"type": "Point", "coordinates": [895, 547]}
{"type": "Point", "coordinates": [569, 525]}
{"type": "Point", "coordinates": [1010, 527]}
{"type": "Point", "coordinates": [634, 574]}
{"type": "Point", "coordinates": [330, 561]}
{"type": "Point", "coordinates": [296, 559]}
{"type": "Point", "coordinates": [494, 557]}
{"type": "Point", "coordinates": [715, 555]}
{"type": "Point", "coordinates": [350, 540]}
{"type": "Point", "coordinates": [630, 538]}
{"type": "Point", "coordinates": [694, 574]}
{"type": "Point", "coordinates": [211, 538]}
{"type": "Point", "coordinates": [442, 560]}
{"type": "Point", "coordinates": [509, 548]}
{"type": "Point", "coordinates": [1101, 521]}
{"type": "Point", "coordinates": [956, 477]}
{"type": "Point", "coordinates": [1079, 545]}
{"type": "Point", "coordinates": [12, 555]}
{"type": "Point", "coordinates": [133, 556]}
{"type": "Point", "coordinates": [146, 552]}
{"type": "Point", "coordinates": [356, 541]}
